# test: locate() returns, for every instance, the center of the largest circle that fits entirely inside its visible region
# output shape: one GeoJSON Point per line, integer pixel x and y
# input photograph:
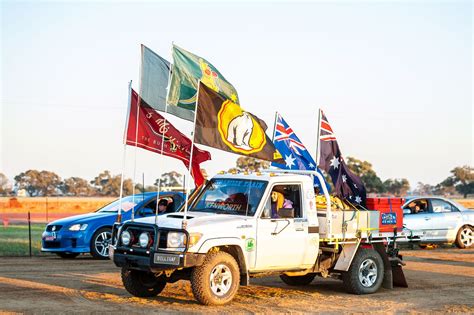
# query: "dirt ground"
{"type": "Point", "coordinates": [440, 280]}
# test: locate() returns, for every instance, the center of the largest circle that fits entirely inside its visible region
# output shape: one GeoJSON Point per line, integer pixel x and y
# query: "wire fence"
{"type": "Point", "coordinates": [23, 220]}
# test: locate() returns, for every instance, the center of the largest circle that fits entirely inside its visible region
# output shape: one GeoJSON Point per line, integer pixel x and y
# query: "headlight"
{"type": "Point", "coordinates": [175, 240]}
{"type": "Point", "coordinates": [78, 227]}
{"type": "Point", "coordinates": [144, 239]}
{"type": "Point", "coordinates": [126, 237]}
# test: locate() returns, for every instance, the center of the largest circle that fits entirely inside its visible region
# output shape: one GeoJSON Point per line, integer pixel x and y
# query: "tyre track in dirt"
{"type": "Point", "coordinates": [440, 281]}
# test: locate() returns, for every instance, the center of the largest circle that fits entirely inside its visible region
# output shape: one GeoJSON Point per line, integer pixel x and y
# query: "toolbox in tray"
{"type": "Point", "coordinates": [391, 213]}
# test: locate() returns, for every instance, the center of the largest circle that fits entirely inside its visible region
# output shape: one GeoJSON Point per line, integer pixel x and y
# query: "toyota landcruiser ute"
{"type": "Point", "coordinates": [246, 225]}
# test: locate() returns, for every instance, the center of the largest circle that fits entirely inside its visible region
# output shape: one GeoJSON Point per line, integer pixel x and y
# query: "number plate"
{"type": "Point", "coordinates": [166, 259]}
{"type": "Point", "coordinates": [50, 238]}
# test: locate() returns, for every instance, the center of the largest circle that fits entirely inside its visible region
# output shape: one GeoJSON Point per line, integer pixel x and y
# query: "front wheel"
{"type": "Point", "coordinates": [465, 237]}
{"type": "Point", "coordinates": [365, 274]}
{"type": "Point", "coordinates": [298, 280]}
{"type": "Point", "coordinates": [216, 281]}
{"type": "Point", "coordinates": [141, 283]}
{"type": "Point", "coordinates": [100, 242]}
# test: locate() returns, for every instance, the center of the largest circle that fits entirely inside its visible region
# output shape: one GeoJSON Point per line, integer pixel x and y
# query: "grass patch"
{"type": "Point", "coordinates": [14, 240]}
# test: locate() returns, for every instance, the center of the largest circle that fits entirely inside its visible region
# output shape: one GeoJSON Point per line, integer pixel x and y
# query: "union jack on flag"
{"type": "Point", "coordinates": [326, 133]}
{"type": "Point", "coordinates": [292, 150]}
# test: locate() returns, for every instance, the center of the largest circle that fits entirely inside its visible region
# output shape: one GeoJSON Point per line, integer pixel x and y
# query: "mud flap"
{"type": "Point", "coordinates": [399, 279]}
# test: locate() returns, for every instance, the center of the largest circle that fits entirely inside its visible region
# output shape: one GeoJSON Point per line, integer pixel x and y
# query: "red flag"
{"type": "Point", "coordinates": [152, 128]}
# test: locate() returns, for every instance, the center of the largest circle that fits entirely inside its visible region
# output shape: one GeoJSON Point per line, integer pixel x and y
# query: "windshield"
{"type": "Point", "coordinates": [127, 203]}
{"type": "Point", "coordinates": [231, 196]}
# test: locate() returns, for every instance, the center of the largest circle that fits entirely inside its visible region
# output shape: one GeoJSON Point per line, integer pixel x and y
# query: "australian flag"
{"type": "Point", "coordinates": [348, 186]}
{"type": "Point", "coordinates": [293, 151]}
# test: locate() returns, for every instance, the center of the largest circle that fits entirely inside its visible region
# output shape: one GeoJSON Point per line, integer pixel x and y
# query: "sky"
{"type": "Point", "coordinates": [393, 77]}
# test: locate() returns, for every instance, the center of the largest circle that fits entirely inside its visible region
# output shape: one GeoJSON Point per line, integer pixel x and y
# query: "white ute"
{"type": "Point", "coordinates": [234, 230]}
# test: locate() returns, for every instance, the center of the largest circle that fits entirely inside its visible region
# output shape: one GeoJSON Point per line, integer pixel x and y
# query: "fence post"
{"type": "Point", "coordinates": [29, 230]}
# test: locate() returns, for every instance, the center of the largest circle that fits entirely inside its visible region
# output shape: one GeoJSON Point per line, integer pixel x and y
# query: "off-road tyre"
{"type": "Point", "coordinates": [298, 280]}
{"type": "Point", "coordinates": [201, 279]}
{"type": "Point", "coordinates": [68, 255]}
{"type": "Point", "coordinates": [98, 236]}
{"type": "Point", "coordinates": [141, 283]}
{"type": "Point", "coordinates": [351, 280]}
{"type": "Point", "coordinates": [461, 238]}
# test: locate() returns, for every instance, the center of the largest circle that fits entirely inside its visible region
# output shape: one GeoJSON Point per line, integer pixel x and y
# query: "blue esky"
{"type": "Point", "coordinates": [394, 78]}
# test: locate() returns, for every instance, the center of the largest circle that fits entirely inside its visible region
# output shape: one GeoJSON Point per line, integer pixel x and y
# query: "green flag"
{"type": "Point", "coordinates": [188, 70]}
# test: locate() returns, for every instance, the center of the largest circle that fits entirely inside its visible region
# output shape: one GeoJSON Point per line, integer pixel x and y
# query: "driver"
{"type": "Point", "coordinates": [162, 205]}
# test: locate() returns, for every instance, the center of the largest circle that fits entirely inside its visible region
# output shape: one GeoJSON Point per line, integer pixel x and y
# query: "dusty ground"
{"type": "Point", "coordinates": [440, 280]}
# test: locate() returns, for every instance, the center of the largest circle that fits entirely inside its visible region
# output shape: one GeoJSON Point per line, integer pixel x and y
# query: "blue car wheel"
{"type": "Point", "coordinates": [100, 242]}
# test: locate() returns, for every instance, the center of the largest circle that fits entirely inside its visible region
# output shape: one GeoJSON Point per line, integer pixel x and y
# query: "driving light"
{"type": "Point", "coordinates": [144, 239]}
{"type": "Point", "coordinates": [78, 227]}
{"type": "Point", "coordinates": [175, 240]}
{"type": "Point", "coordinates": [126, 237]}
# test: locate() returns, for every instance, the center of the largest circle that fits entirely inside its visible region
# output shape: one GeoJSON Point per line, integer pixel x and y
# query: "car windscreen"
{"type": "Point", "coordinates": [127, 203]}
{"type": "Point", "coordinates": [231, 196]}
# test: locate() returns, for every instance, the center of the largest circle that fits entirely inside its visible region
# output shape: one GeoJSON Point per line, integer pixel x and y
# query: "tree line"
{"type": "Point", "coordinates": [46, 183]}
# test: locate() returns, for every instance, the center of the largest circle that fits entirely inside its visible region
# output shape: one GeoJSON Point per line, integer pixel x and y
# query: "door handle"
{"type": "Point", "coordinates": [427, 218]}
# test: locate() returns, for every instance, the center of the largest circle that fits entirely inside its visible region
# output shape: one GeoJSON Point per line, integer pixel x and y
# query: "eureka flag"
{"type": "Point", "coordinates": [222, 124]}
{"type": "Point", "coordinates": [295, 154]}
{"type": "Point", "coordinates": [188, 70]}
{"type": "Point", "coordinates": [152, 128]}
{"type": "Point", "coordinates": [348, 186]}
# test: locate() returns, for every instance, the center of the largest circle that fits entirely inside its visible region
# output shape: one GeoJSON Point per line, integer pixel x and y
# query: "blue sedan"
{"type": "Point", "coordinates": [91, 232]}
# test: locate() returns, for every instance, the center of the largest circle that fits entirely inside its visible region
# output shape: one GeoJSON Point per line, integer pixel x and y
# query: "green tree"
{"type": "Point", "coordinates": [462, 180]}
{"type": "Point", "coordinates": [249, 164]}
{"type": "Point", "coordinates": [107, 184]}
{"type": "Point", "coordinates": [4, 186]}
{"type": "Point", "coordinates": [363, 169]}
{"type": "Point", "coordinates": [76, 186]}
{"type": "Point", "coordinates": [424, 189]}
{"type": "Point", "coordinates": [170, 179]}
{"type": "Point", "coordinates": [37, 183]}
{"type": "Point", "coordinates": [398, 187]}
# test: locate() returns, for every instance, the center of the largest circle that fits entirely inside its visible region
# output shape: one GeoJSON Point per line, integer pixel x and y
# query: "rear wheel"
{"type": "Point", "coordinates": [365, 274]}
{"type": "Point", "coordinates": [465, 237]}
{"type": "Point", "coordinates": [67, 255]}
{"type": "Point", "coordinates": [298, 280]}
{"type": "Point", "coordinates": [100, 242]}
{"type": "Point", "coordinates": [141, 283]}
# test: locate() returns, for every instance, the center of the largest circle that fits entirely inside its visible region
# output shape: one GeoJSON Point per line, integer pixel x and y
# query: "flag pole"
{"type": "Point", "coordinates": [158, 189]}
{"type": "Point", "coordinates": [119, 215]}
{"type": "Point", "coordinates": [274, 127]}
{"type": "Point", "coordinates": [136, 133]}
{"type": "Point", "coordinates": [184, 223]}
{"type": "Point", "coordinates": [318, 139]}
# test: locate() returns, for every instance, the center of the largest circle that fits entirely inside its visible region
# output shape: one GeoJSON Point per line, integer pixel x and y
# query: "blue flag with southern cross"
{"type": "Point", "coordinates": [293, 151]}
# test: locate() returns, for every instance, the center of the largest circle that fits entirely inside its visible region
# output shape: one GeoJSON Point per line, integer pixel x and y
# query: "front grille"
{"type": "Point", "coordinates": [49, 228]}
{"type": "Point", "coordinates": [52, 244]}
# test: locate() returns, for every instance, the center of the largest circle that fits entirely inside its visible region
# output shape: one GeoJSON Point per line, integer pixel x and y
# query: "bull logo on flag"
{"type": "Point", "coordinates": [239, 130]}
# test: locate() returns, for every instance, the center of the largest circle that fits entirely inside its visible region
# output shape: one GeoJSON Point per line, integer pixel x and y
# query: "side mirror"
{"type": "Point", "coordinates": [286, 213]}
{"type": "Point", "coordinates": [146, 212]}
{"type": "Point", "coordinates": [406, 211]}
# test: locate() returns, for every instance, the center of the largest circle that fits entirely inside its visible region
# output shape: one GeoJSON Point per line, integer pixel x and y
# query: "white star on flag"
{"type": "Point", "coordinates": [335, 162]}
{"type": "Point", "coordinates": [344, 178]}
{"type": "Point", "coordinates": [311, 165]}
{"type": "Point", "coordinates": [358, 199]}
{"type": "Point", "coordinates": [289, 160]}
